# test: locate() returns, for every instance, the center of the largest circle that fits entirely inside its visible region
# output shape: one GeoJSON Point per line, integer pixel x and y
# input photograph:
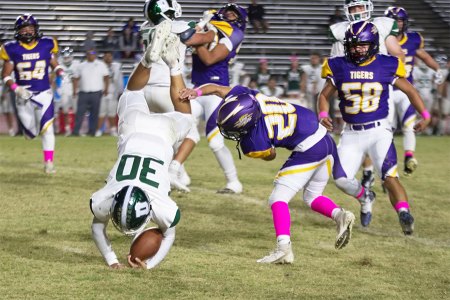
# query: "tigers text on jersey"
{"type": "Point", "coordinates": [410, 43]}
{"type": "Point", "coordinates": [282, 125]}
{"type": "Point", "coordinates": [386, 26]}
{"type": "Point", "coordinates": [229, 35]}
{"type": "Point", "coordinates": [363, 89]}
{"type": "Point", "coordinates": [31, 62]}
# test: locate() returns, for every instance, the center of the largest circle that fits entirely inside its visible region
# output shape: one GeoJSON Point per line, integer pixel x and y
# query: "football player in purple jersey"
{"type": "Point", "coordinates": [210, 65]}
{"type": "Point", "coordinates": [260, 124]}
{"type": "Point", "coordinates": [400, 109]}
{"type": "Point", "coordinates": [362, 78]}
{"type": "Point", "coordinates": [30, 57]}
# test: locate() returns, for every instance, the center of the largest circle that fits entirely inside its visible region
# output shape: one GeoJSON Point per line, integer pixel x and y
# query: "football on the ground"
{"type": "Point", "coordinates": [146, 244]}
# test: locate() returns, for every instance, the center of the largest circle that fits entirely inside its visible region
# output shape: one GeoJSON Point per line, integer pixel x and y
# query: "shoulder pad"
{"type": "Point", "coordinates": [186, 35]}
{"type": "Point", "coordinates": [337, 31]}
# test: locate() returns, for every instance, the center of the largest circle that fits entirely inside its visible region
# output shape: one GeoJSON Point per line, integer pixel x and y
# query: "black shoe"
{"type": "Point", "coordinates": [368, 179]}
{"type": "Point", "coordinates": [407, 222]}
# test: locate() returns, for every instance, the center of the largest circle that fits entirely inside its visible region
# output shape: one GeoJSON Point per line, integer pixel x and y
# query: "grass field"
{"type": "Point", "coordinates": [46, 249]}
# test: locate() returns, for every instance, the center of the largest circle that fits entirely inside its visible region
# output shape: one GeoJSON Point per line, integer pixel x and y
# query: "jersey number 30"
{"type": "Point", "coordinates": [130, 165]}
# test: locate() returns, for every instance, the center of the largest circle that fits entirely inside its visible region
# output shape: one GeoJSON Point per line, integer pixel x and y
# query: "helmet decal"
{"type": "Point", "coordinates": [237, 116]}
{"type": "Point", "coordinates": [130, 211]}
{"type": "Point", "coordinates": [24, 21]}
{"type": "Point", "coordinates": [398, 13]}
{"type": "Point", "coordinates": [361, 34]}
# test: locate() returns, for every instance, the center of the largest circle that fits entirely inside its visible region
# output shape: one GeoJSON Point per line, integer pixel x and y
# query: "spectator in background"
{"type": "Point", "coordinates": [263, 73]}
{"type": "Point", "coordinates": [128, 43]}
{"type": "Point", "coordinates": [131, 24]}
{"type": "Point", "coordinates": [111, 43]}
{"type": "Point", "coordinates": [89, 42]}
{"type": "Point", "coordinates": [336, 17]}
{"type": "Point", "coordinates": [256, 15]}
{"type": "Point", "coordinates": [272, 89]}
{"type": "Point", "coordinates": [293, 79]}
{"type": "Point", "coordinates": [253, 84]}
{"type": "Point", "coordinates": [108, 104]}
{"type": "Point", "coordinates": [90, 80]}
{"type": "Point", "coordinates": [311, 81]}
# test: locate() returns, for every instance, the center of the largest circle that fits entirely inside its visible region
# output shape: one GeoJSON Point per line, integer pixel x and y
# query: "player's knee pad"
{"type": "Point", "coordinates": [349, 186]}
{"type": "Point", "coordinates": [281, 193]}
{"type": "Point", "coordinates": [216, 142]}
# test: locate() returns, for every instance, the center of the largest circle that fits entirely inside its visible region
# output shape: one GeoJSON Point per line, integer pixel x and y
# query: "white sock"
{"type": "Point", "coordinates": [283, 239]}
{"type": "Point", "coordinates": [226, 162]}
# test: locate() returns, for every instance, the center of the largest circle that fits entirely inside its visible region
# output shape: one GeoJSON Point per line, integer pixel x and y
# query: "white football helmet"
{"type": "Point", "coordinates": [362, 15]}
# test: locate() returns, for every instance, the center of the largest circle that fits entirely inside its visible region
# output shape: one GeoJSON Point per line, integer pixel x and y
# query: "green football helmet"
{"type": "Point", "coordinates": [130, 210]}
{"type": "Point", "coordinates": [362, 15]}
{"type": "Point", "coordinates": [160, 10]}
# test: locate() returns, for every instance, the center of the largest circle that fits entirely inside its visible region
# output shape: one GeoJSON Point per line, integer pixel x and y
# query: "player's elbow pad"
{"type": "Point", "coordinates": [186, 35]}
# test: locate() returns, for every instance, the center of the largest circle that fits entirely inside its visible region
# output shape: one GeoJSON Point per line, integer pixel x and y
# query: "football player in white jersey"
{"type": "Point", "coordinates": [138, 185]}
{"type": "Point", "coordinates": [157, 89]}
{"type": "Point", "coordinates": [311, 82]}
{"type": "Point", "coordinates": [400, 109]}
{"type": "Point", "coordinates": [361, 10]}
{"type": "Point", "coordinates": [66, 106]}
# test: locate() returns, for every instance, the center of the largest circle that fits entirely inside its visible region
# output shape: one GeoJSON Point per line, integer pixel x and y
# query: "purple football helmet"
{"type": "Point", "coordinates": [23, 21]}
{"type": "Point", "coordinates": [361, 33]}
{"type": "Point", "coordinates": [398, 13]}
{"type": "Point", "coordinates": [237, 116]}
{"type": "Point", "coordinates": [241, 20]}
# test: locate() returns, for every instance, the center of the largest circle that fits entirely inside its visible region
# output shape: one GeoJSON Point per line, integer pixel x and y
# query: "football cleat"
{"type": "Point", "coordinates": [49, 168]}
{"type": "Point", "coordinates": [234, 187]}
{"type": "Point", "coordinates": [366, 208]}
{"type": "Point", "coordinates": [368, 179]}
{"type": "Point", "coordinates": [410, 165]}
{"type": "Point", "coordinates": [171, 51]}
{"type": "Point", "coordinates": [153, 52]}
{"type": "Point", "coordinates": [406, 222]}
{"type": "Point", "coordinates": [281, 255]}
{"type": "Point", "coordinates": [344, 222]}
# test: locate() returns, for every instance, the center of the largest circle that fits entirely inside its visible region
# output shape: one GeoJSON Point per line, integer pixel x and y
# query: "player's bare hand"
{"type": "Point", "coordinates": [117, 266]}
{"type": "Point", "coordinates": [327, 123]}
{"type": "Point", "coordinates": [419, 127]}
{"type": "Point", "coordinates": [188, 94]}
{"type": "Point", "coordinates": [137, 264]}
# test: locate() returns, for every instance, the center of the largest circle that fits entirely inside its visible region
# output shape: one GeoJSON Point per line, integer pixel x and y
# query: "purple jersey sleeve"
{"type": "Point", "coordinates": [282, 125]}
{"type": "Point", "coordinates": [363, 89]}
{"type": "Point", "coordinates": [31, 63]}
{"type": "Point", "coordinates": [218, 73]}
{"type": "Point", "coordinates": [410, 43]}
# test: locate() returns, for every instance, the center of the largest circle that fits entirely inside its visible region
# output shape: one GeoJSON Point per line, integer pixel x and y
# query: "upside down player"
{"type": "Point", "coordinates": [138, 185]}
{"type": "Point", "coordinates": [400, 109]}
{"type": "Point", "coordinates": [362, 78]}
{"type": "Point", "coordinates": [260, 124]}
{"type": "Point", "coordinates": [157, 89]}
{"type": "Point", "coordinates": [30, 57]}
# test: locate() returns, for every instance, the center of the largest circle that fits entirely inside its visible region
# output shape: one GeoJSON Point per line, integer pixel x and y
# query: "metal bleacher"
{"type": "Point", "coordinates": [296, 27]}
